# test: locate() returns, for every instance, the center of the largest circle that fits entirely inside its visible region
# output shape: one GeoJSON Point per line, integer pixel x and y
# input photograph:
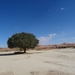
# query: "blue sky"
{"type": "Point", "coordinates": [52, 21]}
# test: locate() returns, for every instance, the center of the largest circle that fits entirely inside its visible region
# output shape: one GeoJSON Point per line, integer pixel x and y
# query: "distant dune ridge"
{"type": "Point", "coordinates": [56, 46]}
{"type": "Point", "coordinates": [40, 47]}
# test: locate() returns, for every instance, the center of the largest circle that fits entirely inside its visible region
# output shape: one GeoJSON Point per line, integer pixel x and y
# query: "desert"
{"type": "Point", "coordinates": [38, 62]}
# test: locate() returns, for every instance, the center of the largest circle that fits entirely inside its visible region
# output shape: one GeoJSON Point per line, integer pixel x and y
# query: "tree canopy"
{"type": "Point", "coordinates": [22, 40]}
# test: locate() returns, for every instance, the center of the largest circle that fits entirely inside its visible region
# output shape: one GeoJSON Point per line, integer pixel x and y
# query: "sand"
{"type": "Point", "coordinates": [49, 62]}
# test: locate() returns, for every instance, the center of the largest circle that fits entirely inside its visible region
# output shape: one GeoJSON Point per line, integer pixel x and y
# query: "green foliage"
{"type": "Point", "coordinates": [22, 40]}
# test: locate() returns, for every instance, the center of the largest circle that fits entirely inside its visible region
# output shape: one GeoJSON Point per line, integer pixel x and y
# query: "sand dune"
{"type": "Point", "coordinates": [49, 62]}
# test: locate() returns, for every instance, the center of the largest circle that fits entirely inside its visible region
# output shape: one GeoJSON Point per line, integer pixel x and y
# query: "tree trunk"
{"type": "Point", "coordinates": [24, 50]}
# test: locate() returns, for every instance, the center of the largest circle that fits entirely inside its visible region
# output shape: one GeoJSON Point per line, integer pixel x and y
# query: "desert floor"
{"type": "Point", "coordinates": [49, 62]}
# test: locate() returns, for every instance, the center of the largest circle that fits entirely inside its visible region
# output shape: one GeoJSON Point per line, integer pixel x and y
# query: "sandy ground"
{"type": "Point", "coordinates": [49, 62]}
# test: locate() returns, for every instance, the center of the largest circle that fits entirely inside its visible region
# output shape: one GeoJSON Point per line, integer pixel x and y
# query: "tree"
{"type": "Point", "coordinates": [22, 40]}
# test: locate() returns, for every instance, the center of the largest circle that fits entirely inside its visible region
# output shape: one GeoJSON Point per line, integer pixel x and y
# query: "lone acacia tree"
{"type": "Point", "coordinates": [22, 40]}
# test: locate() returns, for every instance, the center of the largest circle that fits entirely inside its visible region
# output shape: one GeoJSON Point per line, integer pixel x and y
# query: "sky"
{"type": "Point", "coordinates": [51, 21]}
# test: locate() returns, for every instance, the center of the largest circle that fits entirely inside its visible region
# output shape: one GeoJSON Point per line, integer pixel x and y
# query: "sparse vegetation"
{"type": "Point", "coordinates": [41, 47]}
{"type": "Point", "coordinates": [58, 46]}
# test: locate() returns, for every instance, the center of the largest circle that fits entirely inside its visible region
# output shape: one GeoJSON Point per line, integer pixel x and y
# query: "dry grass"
{"type": "Point", "coordinates": [8, 49]}
{"type": "Point", "coordinates": [7, 73]}
{"type": "Point", "coordinates": [44, 47]}
{"type": "Point", "coordinates": [51, 72]}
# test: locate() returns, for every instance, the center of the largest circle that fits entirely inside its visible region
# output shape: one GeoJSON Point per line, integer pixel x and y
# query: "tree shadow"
{"type": "Point", "coordinates": [18, 53]}
{"type": "Point", "coordinates": [9, 54]}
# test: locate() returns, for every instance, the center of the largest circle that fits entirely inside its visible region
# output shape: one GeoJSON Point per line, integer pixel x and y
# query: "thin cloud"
{"type": "Point", "coordinates": [67, 39]}
{"type": "Point", "coordinates": [16, 27]}
{"type": "Point", "coordinates": [73, 38]}
{"type": "Point", "coordinates": [58, 27]}
{"type": "Point", "coordinates": [48, 10]}
{"type": "Point", "coordinates": [62, 8]}
{"type": "Point", "coordinates": [62, 34]}
{"type": "Point", "coordinates": [45, 39]}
